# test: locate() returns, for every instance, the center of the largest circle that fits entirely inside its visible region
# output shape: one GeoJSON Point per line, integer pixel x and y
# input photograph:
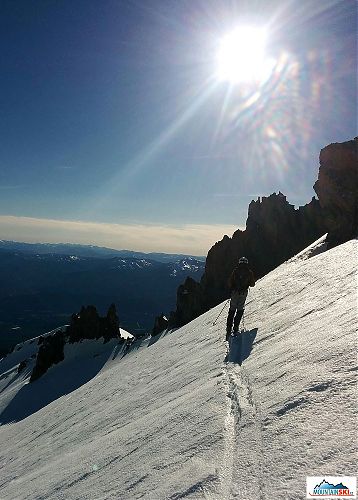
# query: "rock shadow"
{"type": "Point", "coordinates": [118, 350]}
{"type": "Point", "coordinates": [241, 346]}
{"type": "Point", "coordinates": [56, 382]}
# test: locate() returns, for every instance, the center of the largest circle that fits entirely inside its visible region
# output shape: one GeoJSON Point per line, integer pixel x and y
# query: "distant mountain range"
{"type": "Point", "coordinates": [88, 251]}
{"type": "Point", "coordinates": [39, 291]}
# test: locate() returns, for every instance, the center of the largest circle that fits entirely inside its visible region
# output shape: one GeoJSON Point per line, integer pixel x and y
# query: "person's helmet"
{"type": "Point", "coordinates": [243, 260]}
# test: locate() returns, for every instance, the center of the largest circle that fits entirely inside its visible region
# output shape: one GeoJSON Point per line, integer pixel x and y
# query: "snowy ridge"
{"type": "Point", "coordinates": [170, 419]}
{"type": "Point", "coordinates": [315, 248]}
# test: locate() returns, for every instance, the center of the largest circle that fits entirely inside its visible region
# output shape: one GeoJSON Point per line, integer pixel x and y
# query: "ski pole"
{"type": "Point", "coordinates": [243, 314]}
{"type": "Point", "coordinates": [226, 303]}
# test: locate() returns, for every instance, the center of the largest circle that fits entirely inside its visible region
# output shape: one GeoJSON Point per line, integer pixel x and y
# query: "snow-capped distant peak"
{"type": "Point", "coordinates": [132, 263]}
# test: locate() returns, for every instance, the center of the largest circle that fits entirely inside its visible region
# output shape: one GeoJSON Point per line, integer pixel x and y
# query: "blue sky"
{"type": "Point", "coordinates": [111, 115]}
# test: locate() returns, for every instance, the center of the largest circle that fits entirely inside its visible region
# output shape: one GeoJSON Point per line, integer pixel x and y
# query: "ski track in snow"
{"type": "Point", "coordinates": [242, 429]}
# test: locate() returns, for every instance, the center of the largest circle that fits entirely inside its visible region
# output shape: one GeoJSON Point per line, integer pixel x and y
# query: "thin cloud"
{"type": "Point", "coordinates": [193, 239]}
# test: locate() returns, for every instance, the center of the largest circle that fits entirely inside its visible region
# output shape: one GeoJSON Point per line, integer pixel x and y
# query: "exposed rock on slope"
{"type": "Point", "coordinates": [50, 353]}
{"type": "Point", "coordinates": [275, 231]}
{"type": "Point", "coordinates": [88, 324]}
{"type": "Point", "coordinates": [85, 325]}
{"type": "Point", "coordinates": [160, 324]}
{"type": "Point", "coordinates": [337, 189]}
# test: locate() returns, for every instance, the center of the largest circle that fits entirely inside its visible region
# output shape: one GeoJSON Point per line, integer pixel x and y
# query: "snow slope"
{"type": "Point", "coordinates": [170, 419]}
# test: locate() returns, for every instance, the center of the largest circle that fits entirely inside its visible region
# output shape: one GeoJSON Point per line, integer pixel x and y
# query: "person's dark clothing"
{"type": "Point", "coordinates": [240, 280]}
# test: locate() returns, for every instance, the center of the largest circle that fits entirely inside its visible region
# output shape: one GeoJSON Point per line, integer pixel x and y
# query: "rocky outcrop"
{"type": "Point", "coordinates": [160, 324]}
{"type": "Point", "coordinates": [50, 352]}
{"type": "Point", "coordinates": [22, 366]}
{"type": "Point", "coordinates": [275, 231]}
{"type": "Point", "coordinates": [337, 190]}
{"type": "Point", "coordinates": [190, 300]}
{"type": "Point", "coordinates": [88, 324]}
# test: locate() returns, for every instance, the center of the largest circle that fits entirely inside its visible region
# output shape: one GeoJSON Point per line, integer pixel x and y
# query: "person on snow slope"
{"type": "Point", "coordinates": [240, 280]}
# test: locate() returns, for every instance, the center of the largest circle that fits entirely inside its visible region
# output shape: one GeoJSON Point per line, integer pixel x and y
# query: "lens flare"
{"type": "Point", "coordinates": [241, 56]}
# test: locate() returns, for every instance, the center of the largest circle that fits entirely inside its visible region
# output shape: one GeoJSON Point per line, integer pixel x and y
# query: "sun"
{"type": "Point", "coordinates": [241, 55]}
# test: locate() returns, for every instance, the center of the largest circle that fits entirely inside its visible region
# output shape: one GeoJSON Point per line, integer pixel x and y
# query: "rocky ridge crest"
{"type": "Point", "coordinates": [276, 231]}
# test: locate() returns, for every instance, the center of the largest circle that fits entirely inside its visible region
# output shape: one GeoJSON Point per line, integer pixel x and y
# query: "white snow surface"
{"type": "Point", "coordinates": [124, 334]}
{"type": "Point", "coordinates": [170, 419]}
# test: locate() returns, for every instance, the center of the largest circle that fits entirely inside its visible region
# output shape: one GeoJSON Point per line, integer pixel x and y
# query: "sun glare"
{"type": "Point", "coordinates": [241, 56]}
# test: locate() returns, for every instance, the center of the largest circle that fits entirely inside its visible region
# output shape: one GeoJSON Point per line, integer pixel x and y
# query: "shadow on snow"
{"type": "Point", "coordinates": [241, 346]}
{"type": "Point", "coordinates": [55, 383]}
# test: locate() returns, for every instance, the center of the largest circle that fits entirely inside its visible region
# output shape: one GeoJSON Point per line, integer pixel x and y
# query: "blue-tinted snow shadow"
{"type": "Point", "coordinates": [56, 382]}
{"type": "Point", "coordinates": [155, 338]}
{"type": "Point", "coordinates": [119, 349]}
{"type": "Point", "coordinates": [241, 346]}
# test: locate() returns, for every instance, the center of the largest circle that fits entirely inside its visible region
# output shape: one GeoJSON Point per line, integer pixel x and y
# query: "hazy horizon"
{"type": "Point", "coordinates": [140, 238]}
